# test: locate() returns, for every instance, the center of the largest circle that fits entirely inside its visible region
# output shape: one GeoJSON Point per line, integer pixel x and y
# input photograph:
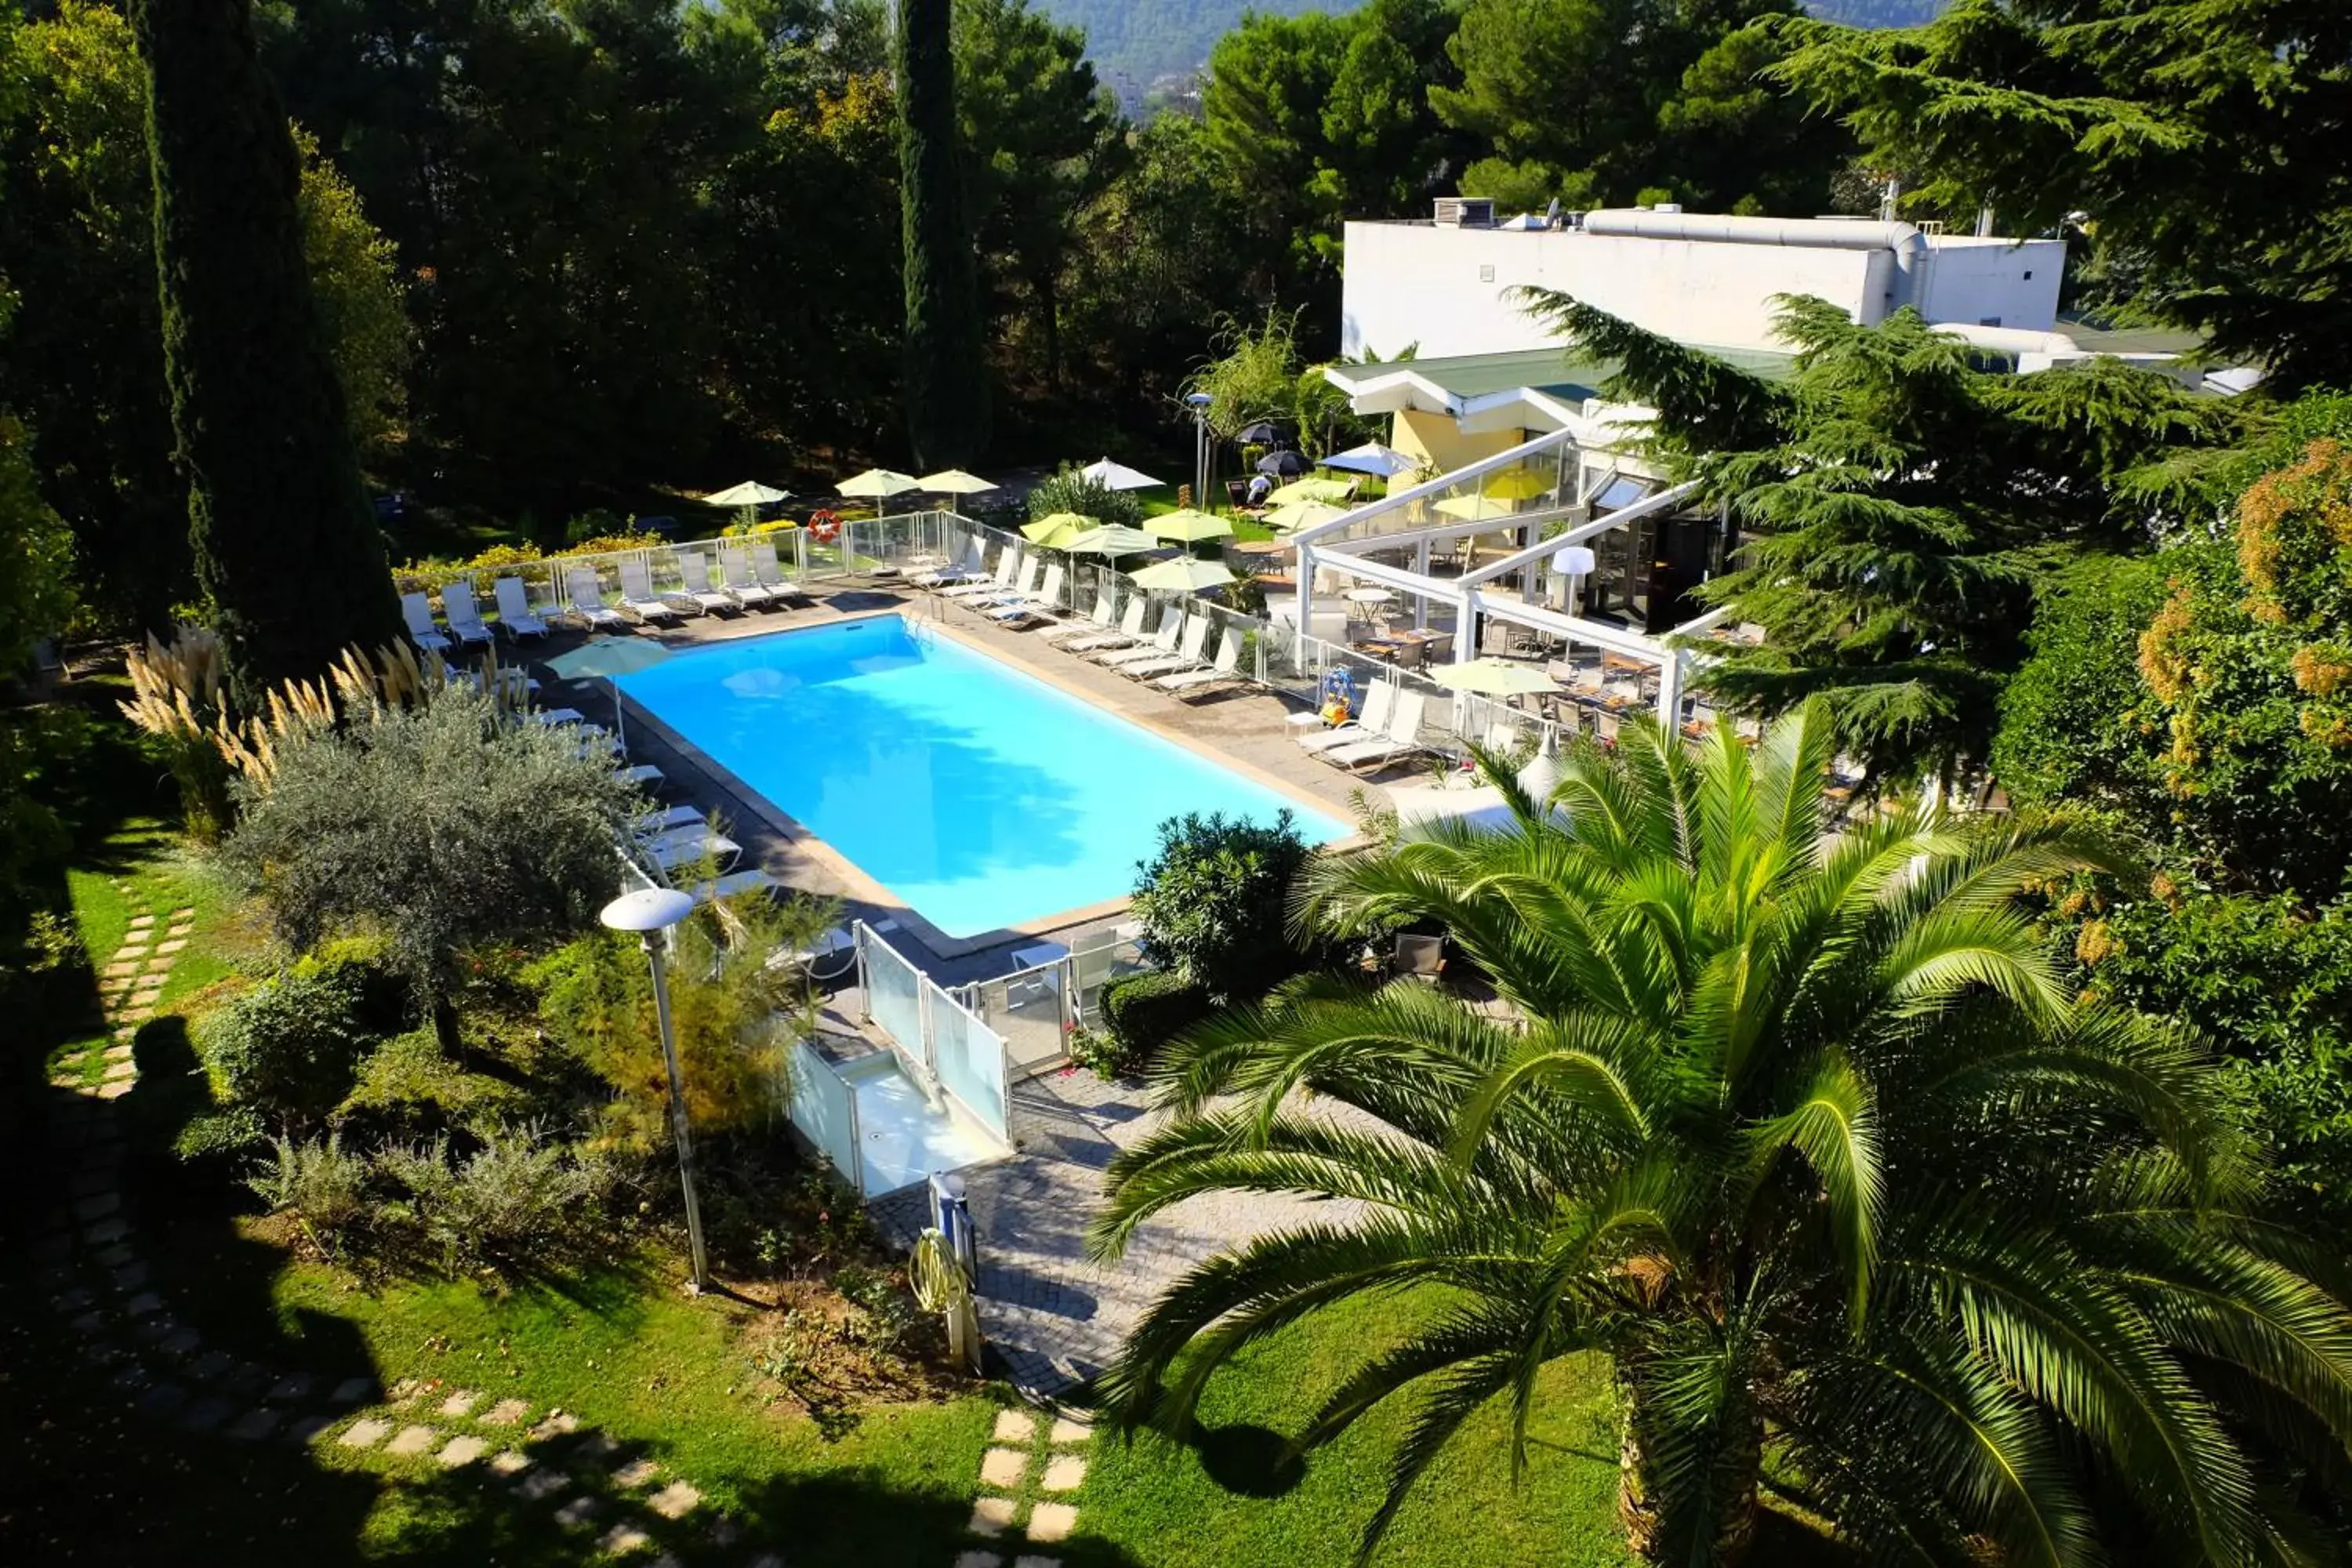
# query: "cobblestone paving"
{"type": "Point", "coordinates": [1056, 1316]}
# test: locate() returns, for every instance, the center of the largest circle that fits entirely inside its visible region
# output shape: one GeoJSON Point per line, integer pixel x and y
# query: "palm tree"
{"type": "Point", "coordinates": [1801, 1130]}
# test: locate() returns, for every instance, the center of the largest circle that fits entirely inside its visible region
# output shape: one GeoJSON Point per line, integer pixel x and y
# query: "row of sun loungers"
{"type": "Point", "coordinates": [748, 577]}
{"type": "Point", "coordinates": [1387, 731]}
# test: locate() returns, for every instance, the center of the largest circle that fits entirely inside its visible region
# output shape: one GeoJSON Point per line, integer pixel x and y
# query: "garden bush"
{"type": "Point", "coordinates": [1213, 903]}
{"type": "Point", "coordinates": [1144, 1012]}
{"type": "Point", "coordinates": [292, 1046]}
{"type": "Point", "coordinates": [1071, 490]}
{"type": "Point", "coordinates": [323, 1187]}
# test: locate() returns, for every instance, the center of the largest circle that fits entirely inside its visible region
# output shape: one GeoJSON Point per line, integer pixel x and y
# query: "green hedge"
{"type": "Point", "coordinates": [1144, 1012]}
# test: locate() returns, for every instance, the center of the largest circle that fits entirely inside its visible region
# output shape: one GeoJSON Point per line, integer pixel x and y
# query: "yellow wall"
{"type": "Point", "coordinates": [1433, 438]}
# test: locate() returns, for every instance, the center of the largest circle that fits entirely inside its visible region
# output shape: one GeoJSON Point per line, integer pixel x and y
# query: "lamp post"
{"type": "Point", "coordinates": [1199, 403]}
{"type": "Point", "coordinates": [650, 912]}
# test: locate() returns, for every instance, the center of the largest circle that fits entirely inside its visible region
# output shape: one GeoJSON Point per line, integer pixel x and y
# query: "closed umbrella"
{"type": "Point", "coordinates": [1282, 465]}
{"type": "Point", "coordinates": [1187, 527]}
{"type": "Point", "coordinates": [954, 482]}
{"type": "Point", "coordinates": [1113, 541]}
{"type": "Point", "coordinates": [1185, 574]}
{"type": "Point", "coordinates": [1312, 490]}
{"type": "Point", "coordinates": [608, 658]}
{"type": "Point", "coordinates": [750, 492]}
{"type": "Point", "coordinates": [875, 484]}
{"type": "Point", "coordinates": [1493, 677]}
{"type": "Point", "coordinates": [1371, 458]}
{"type": "Point", "coordinates": [1056, 527]}
{"type": "Point", "coordinates": [1119, 477]}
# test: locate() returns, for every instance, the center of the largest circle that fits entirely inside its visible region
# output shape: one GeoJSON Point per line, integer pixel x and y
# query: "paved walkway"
{"type": "Point", "coordinates": [1053, 1315]}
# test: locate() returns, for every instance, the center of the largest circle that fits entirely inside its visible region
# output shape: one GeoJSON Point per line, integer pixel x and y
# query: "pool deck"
{"type": "Point", "coordinates": [1246, 730]}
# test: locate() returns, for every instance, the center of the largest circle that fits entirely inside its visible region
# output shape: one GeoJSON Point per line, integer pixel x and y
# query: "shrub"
{"type": "Point", "coordinates": [323, 1186]}
{"type": "Point", "coordinates": [1143, 1012]}
{"type": "Point", "coordinates": [290, 1048]}
{"type": "Point", "coordinates": [515, 1203]}
{"type": "Point", "coordinates": [1071, 490]}
{"type": "Point", "coordinates": [1212, 903]}
{"type": "Point", "coordinates": [221, 1134]}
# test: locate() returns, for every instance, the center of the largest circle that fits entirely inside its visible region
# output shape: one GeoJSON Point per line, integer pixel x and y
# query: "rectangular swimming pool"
{"type": "Point", "coordinates": [981, 797]}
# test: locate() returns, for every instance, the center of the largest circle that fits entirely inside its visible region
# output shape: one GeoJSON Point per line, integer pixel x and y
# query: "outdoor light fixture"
{"type": "Point", "coordinates": [1199, 403]}
{"type": "Point", "coordinates": [648, 913]}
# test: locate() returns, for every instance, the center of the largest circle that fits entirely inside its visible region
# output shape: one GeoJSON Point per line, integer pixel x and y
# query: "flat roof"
{"type": "Point", "coordinates": [1554, 372]}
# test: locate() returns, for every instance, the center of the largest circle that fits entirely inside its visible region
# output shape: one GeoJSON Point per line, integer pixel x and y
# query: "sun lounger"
{"type": "Point", "coordinates": [1129, 632]}
{"type": "Point", "coordinates": [760, 550]}
{"type": "Point", "coordinates": [1225, 670]}
{"type": "Point", "coordinates": [999, 580]}
{"type": "Point", "coordinates": [1378, 699]}
{"type": "Point", "coordinates": [735, 571]}
{"type": "Point", "coordinates": [944, 576]}
{"type": "Point", "coordinates": [654, 823]}
{"type": "Point", "coordinates": [1032, 576]}
{"type": "Point", "coordinates": [1103, 617]}
{"type": "Point", "coordinates": [645, 775]}
{"type": "Point", "coordinates": [1399, 740]}
{"type": "Point", "coordinates": [684, 847]}
{"type": "Point", "coordinates": [514, 609]}
{"type": "Point", "coordinates": [1042, 604]}
{"type": "Point", "coordinates": [694, 571]}
{"type": "Point", "coordinates": [465, 617]}
{"type": "Point", "coordinates": [637, 595]}
{"type": "Point", "coordinates": [734, 885]}
{"type": "Point", "coordinates": [588, 601]}
{"type": "Point", "coordinates": [1187, 655]}
{"type": "Point", "coordinates": [417, 611]}
{"type": "Point", "coordinates": [1161, 643]}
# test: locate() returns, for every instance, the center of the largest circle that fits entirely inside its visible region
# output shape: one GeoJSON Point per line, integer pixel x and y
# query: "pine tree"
{"type": "Point", "coordinates": [286, 544]}
{"type": "Point", "coordinates": [946, 374]}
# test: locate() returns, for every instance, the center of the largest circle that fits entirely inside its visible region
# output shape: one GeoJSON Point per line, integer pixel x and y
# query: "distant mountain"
{"type": "Point", "coordinates": [1133, 43]}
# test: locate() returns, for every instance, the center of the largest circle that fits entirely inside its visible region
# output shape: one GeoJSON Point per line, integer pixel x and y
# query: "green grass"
{"type": "Point", "coordinates": [1183, 1506]}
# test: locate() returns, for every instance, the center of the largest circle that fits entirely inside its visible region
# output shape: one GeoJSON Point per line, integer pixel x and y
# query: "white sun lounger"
{"type": "Point", "coordinates": [643, 774]}
{"type": "Point", "coordinates": [1399, 740]}
{"type": "Point", "coordinates": [1162, 643]}
{"type": "Point", "coordinates": [1368, 725]}
{"type": "Point", "coordinates": [735, 571]}
{"type": "Point", "coordinates": [759, 550]}
{"type": "Point", "coordinates": [587, 598]}
{"type": "Point", "coordinates": [465, 617]}
{"type": "Point", "coordinates": [962, 571]}
{"type": "Point", "coordinates": [1128, 631]}
{"type": "Point", "coordinates": [637, 595]}
{"type": "Point", "coordinates": [999, 580]}
{"type": "Point", "coordinates": [1186, 656]}
{"type": "Point", "coordinates": [417, 611]}
{"type": "Point", "coordinates": [1103, 617]}
{"type": "Point", "coordinates": [1224, 670]}
{"type": "Point", "coordinates": [1040, 603]}
{"type": "Point", "coordinates": [682, 846]}
{"type": "Point", "coordinates": [514, 609]}
{"type": "Point", "coordinates": [654, 823]}
{"type": "Point", "coordinates": [734, 884]}
{"type": "Point", "coordinates": [694, 571]}
{"type": "Point", "coordinates": [1032, 574]}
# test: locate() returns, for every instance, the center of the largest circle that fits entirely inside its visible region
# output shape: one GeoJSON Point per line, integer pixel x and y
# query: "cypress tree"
{"type": "Point", "coordinates": [285, 541]}
{"type": "Point", "coordinates": [946, 373]}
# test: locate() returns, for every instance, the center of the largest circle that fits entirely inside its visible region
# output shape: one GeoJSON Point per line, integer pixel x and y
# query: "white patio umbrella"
{"type": "Point", "coordinates": [1301, 514]}
{"type": "Point", "coordinates": [750, 492]}
{"type": "Point", "coordinates": [955, 482]}
{"type": "Point", "coordinates": [1185, 574]}
{"type": "Point", "coordinates": [876, 484]}
{"type": "Point", "coordinates": [1371, 458]}
{"type": "Point", "coordinates": [1112, 540]}
{"type": "Point", "coordinates": [1493, 677]}
{"type": "Point", "coordinates": [1119, 477]}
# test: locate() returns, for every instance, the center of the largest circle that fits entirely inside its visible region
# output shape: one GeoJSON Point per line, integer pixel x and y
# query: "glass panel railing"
{"type": "Point", "coordinates": [824, 1110]}
{"type": "Point", "coordinates": [970, 1057]}
{"type": "Point", "coordinates": [894, 997]}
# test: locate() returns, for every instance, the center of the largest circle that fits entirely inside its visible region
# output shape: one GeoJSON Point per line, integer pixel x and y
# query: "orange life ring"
{"type": "Point", "coordinates": [823, 530]}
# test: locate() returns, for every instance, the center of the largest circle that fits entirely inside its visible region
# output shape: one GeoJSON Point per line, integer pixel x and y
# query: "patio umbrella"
{"type": "Point", "coordinates": [1111, 541]}
{"type": "Point", "coordinates": [1282, 465]}
{"type": "Point", "coordinates": [1119, 477]}
{"type": "Point", "coordinates": [1184, 574]}
{"type": "Point", "coordinates": [954, 482]}
{"type": "Point", "coordinates": [1057, 529]}
{"type": "Point", "coordinates": [1493, 677]}
{"type": "Point", "coordinates": [1371, 458]}
{"type": "Point", "coordinates": [1312, 490]}
{"type": "Point", "coordinates": [608, 658]}
{"type": "Point", "coordinates": [1470, 508]}
{"type": "Point", "coordinates": [1518, 484]}
{"type": "Point", "coordinates": [1187, 527]}
{"type": "Point", "coordinates": [1301, 514]}
{"type": "Point", "coordinates": [750, 492]}
{"type": "Point", "coordinates": [875, 484]}
{"type": "Point", "coordinates": [1258, 435]}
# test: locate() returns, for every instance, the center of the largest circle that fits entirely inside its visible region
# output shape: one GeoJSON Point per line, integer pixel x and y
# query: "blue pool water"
{"type": "Point", "coordinates": [980, 796]}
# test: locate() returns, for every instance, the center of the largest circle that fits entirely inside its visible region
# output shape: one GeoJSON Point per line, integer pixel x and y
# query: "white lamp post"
{"type": "Point", "coordinates": [650, 912]}
{"type": "Point", "coordinates": [1199, 403]}
{"type": "Point", "coordinates": [1575, 562]}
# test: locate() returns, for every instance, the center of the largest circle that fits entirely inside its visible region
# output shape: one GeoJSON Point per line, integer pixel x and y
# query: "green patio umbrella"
{"type": "Point", "coordinates": [1301, 514]}
{"type": "Point", "coordinates": [1184, 574]}
{"type": "Point", "coordinates": [607, 659]}
{"type": "Point", "coordinates": [1518, 484]}
{"type": "Point", "coordinates": [1312, 490]}
{"type": "Point", "coordinates": [1110, 541]}
{"type": "Point", "coordinates": [1056, 528]}
{"type": "Point", "coordinates": [1493, 677]}
{"type": "Point", "coordinates": [1187, 527]}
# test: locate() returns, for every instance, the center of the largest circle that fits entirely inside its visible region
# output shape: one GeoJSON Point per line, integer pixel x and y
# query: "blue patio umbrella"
{"type": "Point", "coordinates": [608, 658]}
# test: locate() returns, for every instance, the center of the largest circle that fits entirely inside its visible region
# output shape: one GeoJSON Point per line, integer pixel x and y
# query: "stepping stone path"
{"type": "Point", "coordinates": [1027, 1454]}
{"type": "Point", "coordinates": [570, 1475]}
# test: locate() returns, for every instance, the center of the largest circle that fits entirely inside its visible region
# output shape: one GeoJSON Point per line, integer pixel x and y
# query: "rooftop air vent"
{"type": "Point", "coordinates": [1465, 211]}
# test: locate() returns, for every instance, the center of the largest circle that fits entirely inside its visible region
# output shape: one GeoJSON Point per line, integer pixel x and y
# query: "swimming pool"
{"type": "Point", "coordinates": [981, 797]}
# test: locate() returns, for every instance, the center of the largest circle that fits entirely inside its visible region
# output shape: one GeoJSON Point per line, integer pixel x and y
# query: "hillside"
{"type": "Point", "coordinates": [1134, 42]}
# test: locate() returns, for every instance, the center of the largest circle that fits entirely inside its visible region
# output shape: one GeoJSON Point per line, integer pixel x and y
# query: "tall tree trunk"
{"type": "Point", "coordinates": [946, 374]}
{"type": "Point", "coordinates": [1638, 1506]}
{"type": "Point", "coordinates": [285, 541]}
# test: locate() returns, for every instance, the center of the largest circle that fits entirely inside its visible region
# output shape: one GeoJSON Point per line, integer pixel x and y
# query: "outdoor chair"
{"type": "Point", "coordinates": [694, 571]}
{"type": "Point", "coordinates": [1162, 643]}
{"type": "Point", "coordinates": [1378, 699]}
{"type": "Point", "coordinates": [515, 616]}
{"type": "Point", "coordinates": [735, 571]}
{"type": "Point", "coordinates": [1127, 633]}
{"type": "Point", "coordinates": [588, 601]}
{"type": "Point", "coordinates": [416, 610]}
{"type": "Point", "coordinates": [1420, 958]}
{"type": "Point", "coordinates": [1224, 671]}
{"type": "Point", "coordinates": [1399, 740]}
{"type": "Point", "coordinates": [1186, 656]}
{"type": "Point", "coordinates": [465, 617]}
